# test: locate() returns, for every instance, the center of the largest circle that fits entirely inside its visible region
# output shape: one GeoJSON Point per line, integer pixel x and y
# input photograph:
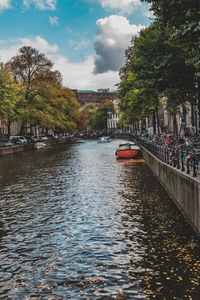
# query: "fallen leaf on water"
{"type": "Point", "coordinates": [96, 293]}
{"type": "Point", "coordinates": [180, 278]}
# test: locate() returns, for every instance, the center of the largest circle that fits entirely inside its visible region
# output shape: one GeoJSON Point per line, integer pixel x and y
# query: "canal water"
{"type": "Point", "coordinates": [75, 223]}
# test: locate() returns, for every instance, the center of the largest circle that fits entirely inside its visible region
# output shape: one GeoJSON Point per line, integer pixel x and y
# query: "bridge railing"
{"type": "Point", "coordinates": [179, 156]}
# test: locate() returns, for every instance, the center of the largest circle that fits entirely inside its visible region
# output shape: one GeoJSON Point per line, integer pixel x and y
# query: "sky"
{"type": "Point", "coordinates": [85, 39]}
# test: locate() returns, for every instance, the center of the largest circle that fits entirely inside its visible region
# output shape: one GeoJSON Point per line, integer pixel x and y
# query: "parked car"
{"type": "Point", "coordinates": [43, 138]}
{"type": "Point", "coordinates": [28, 138]}
{"type": "Point", "coordinates": [35, 138]}
{"type": "Point", "coordinates": [5, 143]}
{"type": "Point", "coordinates": [18, 139]}
{"type": "Point", "coordinates": [54, 136]}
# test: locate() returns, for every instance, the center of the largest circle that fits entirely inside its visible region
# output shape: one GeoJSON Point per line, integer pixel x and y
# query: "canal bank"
{"type": "Point", "coordinates": [30, 146]}
{"type": "Point", "coordinates": [182, 188]}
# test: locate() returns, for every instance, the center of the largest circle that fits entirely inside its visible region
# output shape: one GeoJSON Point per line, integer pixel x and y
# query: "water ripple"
{"type": "Point", "coordinates": [78, 224]}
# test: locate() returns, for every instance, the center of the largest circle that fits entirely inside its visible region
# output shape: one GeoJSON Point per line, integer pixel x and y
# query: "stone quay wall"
{"type": "Point", "coordinates": [30, 146]}
{"type": "Point", "coordinates": [183, 189]}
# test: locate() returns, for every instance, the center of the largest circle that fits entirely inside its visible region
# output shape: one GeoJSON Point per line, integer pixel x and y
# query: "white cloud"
{"type": "Point", "coordinates": [113, 38]}
{"type": "Point", "coordinates": [8, 51]}
{"type": "Point", "coordinates": [149, 14]}
{"type": "Point", "coordinates": [78, 45]}
{"type": "Point", "coordinates": [40, 44]}
{"type": "Point", "coordinates": [79, 75]}
{"type": "Point", "coordinates": [4, 4]}
{"type": "Point", "coordinates": [76, 75]}
{"type": "Point", "coordinates": [41, 4]}
{"type": "Point", "coordinates": [53, 20]}
{"type": "Point", "coordinates": [123, 5]}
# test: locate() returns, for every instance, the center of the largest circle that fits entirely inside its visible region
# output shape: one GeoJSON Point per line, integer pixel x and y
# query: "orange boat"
{"type": "Point", "coordinates": [128, 150]}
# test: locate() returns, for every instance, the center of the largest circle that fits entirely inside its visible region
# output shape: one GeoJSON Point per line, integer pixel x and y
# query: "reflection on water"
{"type": "Point", "coordinates": [75, 223]}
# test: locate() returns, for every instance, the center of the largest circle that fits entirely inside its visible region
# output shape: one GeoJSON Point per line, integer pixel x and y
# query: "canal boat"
{"type": "Point", "coordinates": [128, 150]}
{"type": "Point", "coordinates": [39, 145]}
{"type": "Point", "coordinates": [104, 139]}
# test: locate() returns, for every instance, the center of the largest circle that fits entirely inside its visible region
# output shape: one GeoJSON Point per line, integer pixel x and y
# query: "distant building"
{"type": "Point", "coordinates": [113, 119]}
{"type": "Point", "coordinates": [103, 90]}
{"type": "Point", "coordinates": [113, 122]}
{"type": "Point", "coordinates": [86, 97]}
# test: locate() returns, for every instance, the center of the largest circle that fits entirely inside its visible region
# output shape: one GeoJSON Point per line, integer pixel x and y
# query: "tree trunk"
{"type": "Point", "coordinates": [138, 126]}
{"type": "Point", "coordinates": [175, 125]}
{"type": "Point", "coordinates": [154, 122]}
{"type": "Point", "coordinates": [198, 100]}
{"type": "Point", "coordinates": [21, 132]}
{"type": "Point", "coordinates": [158, 123]}
{"type": "Point", "coordinates": [9, 125]}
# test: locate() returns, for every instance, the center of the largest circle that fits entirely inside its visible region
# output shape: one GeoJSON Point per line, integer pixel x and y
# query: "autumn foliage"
{"type": "Point", "coordinates": [32, 92]}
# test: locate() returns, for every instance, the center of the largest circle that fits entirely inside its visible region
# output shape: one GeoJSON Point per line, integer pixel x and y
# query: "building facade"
{"type": "Point", "coordinates": [88, 97]}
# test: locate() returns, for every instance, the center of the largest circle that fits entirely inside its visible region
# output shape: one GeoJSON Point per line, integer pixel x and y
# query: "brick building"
{"type": "Point", "coordinates": [86, 97]}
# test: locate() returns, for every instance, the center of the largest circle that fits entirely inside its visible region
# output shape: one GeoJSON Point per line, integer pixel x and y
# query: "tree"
{"type": "Point", "coordinates": [181, 19]}
{"type": "Point", "coordinates": [10, 98]}
{"type": "Point", "coordinates": [43, 101]}
{"type": "Point", "coordinates": [154, 66]}
{"type": "Point", "coordinates": [183, 15]}
{"type": "Point", "coordinates": [140, 76]}
{"type": "Point", "coordinates": [88, 115]}
{"type": "Point", "coordinates": [68, 109]}
{"type": "Point", "coordinates": [130, 103]}
{"type": "Point", "coordinates": [105, 107]}
{"type": "Point", "coordinates": [55, 108]}
{"type": "Point", "coordinates": [30, 68]}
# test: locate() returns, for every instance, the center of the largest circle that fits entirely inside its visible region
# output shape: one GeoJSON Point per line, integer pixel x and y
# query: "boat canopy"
{"type": "Point", "coordinates": [128, 146]}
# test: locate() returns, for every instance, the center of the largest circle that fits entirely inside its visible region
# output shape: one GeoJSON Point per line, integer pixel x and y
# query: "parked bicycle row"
{"type": "Point", "coordinates": [182, 153]}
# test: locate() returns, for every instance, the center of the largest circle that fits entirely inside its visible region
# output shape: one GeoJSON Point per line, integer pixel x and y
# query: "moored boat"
{"type": "Point", "coordinates": [128, 150]}
{"type": "Point", "coordinates": [39, 145]}
{"type": "Point", "coordinates": [104, 139]}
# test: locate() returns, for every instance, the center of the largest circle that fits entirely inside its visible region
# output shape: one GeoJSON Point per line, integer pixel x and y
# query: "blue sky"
{"type": "Point", "coordinates": [85, 39]}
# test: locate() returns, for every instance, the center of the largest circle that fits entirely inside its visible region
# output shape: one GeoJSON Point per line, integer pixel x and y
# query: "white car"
{"type": "Point", "coordinates": [19, 139]}
{"type": "Point", "coordinates": [44, 138]}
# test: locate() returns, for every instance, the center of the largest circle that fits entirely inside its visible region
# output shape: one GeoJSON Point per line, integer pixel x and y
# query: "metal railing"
{"type": "Point", "coordinates": [178, 156]}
